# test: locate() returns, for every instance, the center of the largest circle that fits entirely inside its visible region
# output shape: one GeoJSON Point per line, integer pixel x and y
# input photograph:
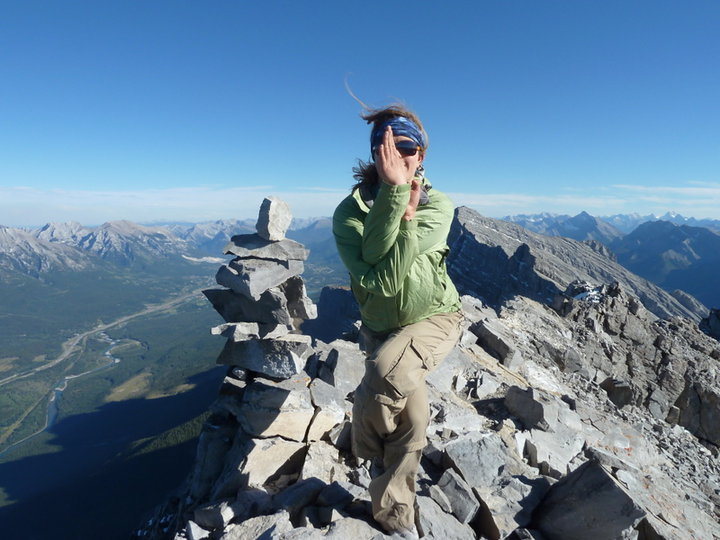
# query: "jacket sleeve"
{"type": "Point", "coordinates": [382, 224]}
{"type": "Point", "coordinates": [385, 278]}
{"type": "Point", "coordinates": [434, 221]}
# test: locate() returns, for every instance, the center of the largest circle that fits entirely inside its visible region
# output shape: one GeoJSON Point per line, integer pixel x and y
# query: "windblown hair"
{"type": "Point", "coordinates": [365, 173]}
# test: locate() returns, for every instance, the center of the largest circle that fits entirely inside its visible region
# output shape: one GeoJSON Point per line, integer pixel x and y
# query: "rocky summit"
{"type": "Point", "coordinates": [562, 413]}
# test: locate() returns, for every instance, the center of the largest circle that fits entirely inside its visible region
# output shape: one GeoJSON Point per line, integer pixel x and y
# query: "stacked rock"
{"type": "Point", "coordinates": [265, 300]}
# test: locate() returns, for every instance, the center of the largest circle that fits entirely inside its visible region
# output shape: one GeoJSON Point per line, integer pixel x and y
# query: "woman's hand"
{"type": "Point", "coordinates": [414, 200]}
{"type": "Point", "coordinates": [390, 165]}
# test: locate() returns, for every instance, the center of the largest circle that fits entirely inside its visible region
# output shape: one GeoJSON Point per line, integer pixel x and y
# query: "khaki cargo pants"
{"type": "Point", "coordinates": [391, 411]}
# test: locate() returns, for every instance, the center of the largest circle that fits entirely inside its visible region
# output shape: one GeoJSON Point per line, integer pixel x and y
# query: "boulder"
{"type": "Point", "coordinates": [274, 219]}
{"type": "Point", "coordinates": [215, 441]}
{"type": "Point", "coordinates": [270, 409]}
{"type": "Point", "coordinates": [699, 407]}
{"type": "Point", "coordinates": [253, 246]}
{"type": "Point", "coordinates": [497, 340]}
{"type": "Point", "coordinates": [267, 464]}
{"type": "Point", "coordinates": [435, 523]}
{"type": "Point", "coordinates": [244, 331]}
{"type": "Point", "coordinates": [460, 497]}
{"type": "Point", "coordinates": [279, 358]}
{"type": "Point", "coordinates": [330, 409]}
{"type": "Point", "coordinates": [302, 493]}
{"type": "Point", "coordinates": [534, 409]}
{"type": "Point", "coordinates": [340, 494]}
{"type": "Point", "coordinates": [588, 504]}
{"type": "Point", "coordinates": [509, 503]}
{"type": "Point", "coordinates": [343, 366]}
{"type": "Point", "coordinates": [252, 277]}
{"type": "Point", "coordinates": [214, 516]}
{"type": "Point", "coordinates": [480, 458]}
{"type": "Point", "coordinates": [618, 391]}
{"type": "Point", "coordinates": [323, 462]}
{"type": "Point", "coordinates": [193, 531]}
{"type": "Point", "coordinates": [265, 527]}
{"type": "Point", "coordinates": [270, 308]}
{"type": "Point", "coordinates": [354, 528]}
{"type": "Point", "coordinates": [552, 452]}
{"type": "Point", "coordinates": [298, 303]}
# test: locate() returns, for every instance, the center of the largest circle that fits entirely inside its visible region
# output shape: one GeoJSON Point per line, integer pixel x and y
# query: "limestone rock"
{"type": "Point", "coordinates": [435, 523]}
{"type": "Point", "coordinates": [244, 331]}
{"type": "Point", "coordinates": [270, 409]}
{"type": "Point", "coordinates": [533, 408]}
{"type": "Point", "coordinates": [509, 503]}
{"type": "Point", "coordinates": [300, 494]}
{"type": "Point", "coordinates": [214, 516]}
{"type": "Point", "coordinates": [354, 528]}
{"type": "Point", "coordinates": [323, 462]}
{"type": "Point", "coordinates": [463, 504]}
{"type": "Point", "coordinates": [330, 408]}
{"type": "Point", "coordinates": [589, 504]}
{"type": "Point", "coordinates": [193, 531]}
{"type": "Point", "coordinates": [700, 410]}
{"type": "Point", "coordinates": [458, 362]}
{"type": "Point", "coordinates": [552, 453]}
{"type": "Point", "coordinates": [340, 494]}
{"type": "Point", "coordinates": [270, 308]}
{"type": "Point", "coordinates": [252, 277]}
{"type": "Point", "coordinates": [255, 247]}
{"type": "Point", "coordinates": [475, 310]}
{"type": "Point", "coordinates": [274, 219]}
{"type": "Point", "coordinates": [619, 392]}
{"type": "Point", "coordinates": [215, 441]}
{"type": "Point", "coordinates": [495, 339]}
{"type": "Point", "coordinates": [480, 459]}
{"type": "Point", "coordinates": [343, 366]}
{"type": "Point", "coordinates": [279, 358]}
{"type": "Point", "coordinates": [266, 527]}
{"type": "Point", "coordinates": [298, 303]}
{"type": "Point", "coordinates": [259, 463]}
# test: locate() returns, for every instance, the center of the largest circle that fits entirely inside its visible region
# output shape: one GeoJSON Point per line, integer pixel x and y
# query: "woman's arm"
{"type": "Point", "coordinates": [386, 277]}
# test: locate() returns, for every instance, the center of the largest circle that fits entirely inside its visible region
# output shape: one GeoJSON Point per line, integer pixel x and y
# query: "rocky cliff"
{"type": "Point", "coordinates": [494, 260]}
{"type": "Point", "coordinates": [567, 410]}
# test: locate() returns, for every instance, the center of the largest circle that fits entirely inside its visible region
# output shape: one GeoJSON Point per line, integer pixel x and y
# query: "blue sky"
{"type": "Point", "coordinates": [186, 110]}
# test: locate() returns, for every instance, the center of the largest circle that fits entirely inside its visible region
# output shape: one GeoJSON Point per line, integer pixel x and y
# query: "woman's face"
{"type": "Point", "coordinates": [411, 163]}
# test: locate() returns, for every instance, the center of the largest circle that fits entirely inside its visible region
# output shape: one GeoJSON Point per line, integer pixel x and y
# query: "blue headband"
{"type": "Point", "coordinates": [401, 126]}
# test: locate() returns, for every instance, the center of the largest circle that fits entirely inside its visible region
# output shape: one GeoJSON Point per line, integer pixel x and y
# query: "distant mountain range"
{"type": "Point", "coordinates": [70, 246]}
{"type": "Point", "coordinates": [580, 227]}
{"type": "Point", "coordinates": [674, 257]}
{"type": "Point", "coordinates": [672, 251]}
{"type": "Point", "coordinates": [586, 227]}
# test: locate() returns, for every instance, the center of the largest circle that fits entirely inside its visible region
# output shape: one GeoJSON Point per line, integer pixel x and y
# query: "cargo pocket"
{"type": "Point", "coordinates": [410, 369]}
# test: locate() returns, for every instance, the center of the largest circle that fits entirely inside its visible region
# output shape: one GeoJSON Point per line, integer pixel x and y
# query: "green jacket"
{"type": "Point", "coordinates": [397, 267]}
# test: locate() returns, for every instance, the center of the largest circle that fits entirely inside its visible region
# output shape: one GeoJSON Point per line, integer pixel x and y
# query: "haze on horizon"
{"type": "Point", "coordinates": [158, 111]}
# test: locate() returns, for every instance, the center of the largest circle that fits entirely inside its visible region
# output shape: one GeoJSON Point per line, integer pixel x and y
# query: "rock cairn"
{"type": "Point", "coordinates": [265, 300]}
{"type": "Point", "coordinates": [592, 420]}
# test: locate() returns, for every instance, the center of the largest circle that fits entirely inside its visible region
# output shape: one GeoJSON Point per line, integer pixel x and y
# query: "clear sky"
{"type": "Point", "coordinates": [190, 111]}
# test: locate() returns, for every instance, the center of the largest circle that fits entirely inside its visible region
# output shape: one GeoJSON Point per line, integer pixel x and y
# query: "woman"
{"type": "Point", "coordinates": [391, 233]}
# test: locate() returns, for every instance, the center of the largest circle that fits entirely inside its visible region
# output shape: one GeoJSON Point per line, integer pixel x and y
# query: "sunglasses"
{"type": "Point", "coordinates": [405, 148]}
